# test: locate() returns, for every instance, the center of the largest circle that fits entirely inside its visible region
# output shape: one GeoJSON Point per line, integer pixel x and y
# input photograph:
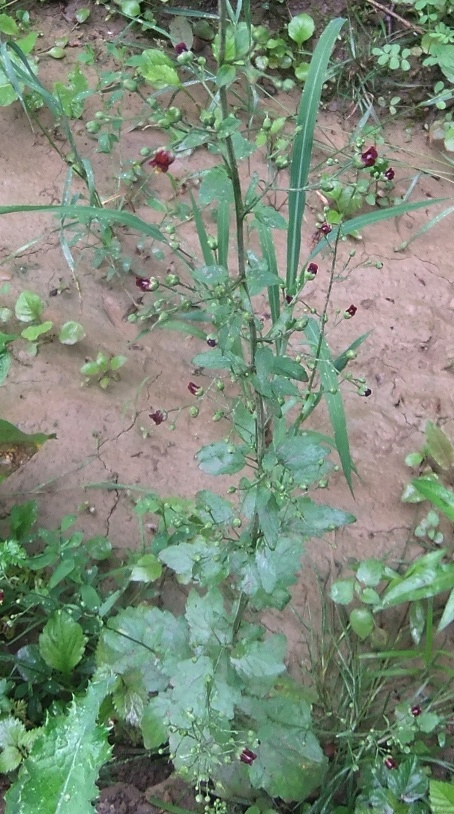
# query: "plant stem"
{"type": "Point", "coordinates": [231, 159]}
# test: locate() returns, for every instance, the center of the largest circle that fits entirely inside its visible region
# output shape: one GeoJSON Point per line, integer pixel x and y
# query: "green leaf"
{"type": "Point", "coordinates": [215, 185]}
{"type": "Point", "coordinates": [82, 14]}
{"type": "Point", "coordinates": [29, 307]}
{"type": "Point", "coordinates": [370, 572]}
{"type": "Point", "coordinates": [154, 730]}
{"type": "Point", "coordinates": [439, 495]}
{"type": "Point", "coordinates": [130, 8]}
{"type": "Point", "coordinates": [22, 518]}
{"type": "Point", "coordinates": [156, 68]}
{"type": "Point", "coordinates": [417, 618]}
{"type": "Point", "coordinates": [302, 455]}
{"type": "Point", "coordinates": [220, 459]}
{"type": "Point", "coordinates": [60, 773]}
{"type": "Point", "coordinates": [117, 362]}
{"type": "Point", "coordinates": [441, 797]}
{"type": "Point", "coordinates": [62, 642]}
{"type": "Point", "coordinates": [332, 396]}
{"type": "Point", "coordinates": [8, 25]}
{"type": "Point", "coordinates": [71, 332]}
{"type": "Point", "coordinates": [284, 366]}
{"type": "Point", "coordinates": [341, 591]}
{"type": "Point", "coordinates": [225, 75]}
{"type": "Point", "coordinates": [301, 28]}
{"type": "Point", "coordinates": [12, 736]}
{"type": "Point", "coordinates": [448, 613]}
{"type": "Point", "coordinates": [290, 763]}
{"type": "Point", "coordinates": [269, 216]}
{"type": "Point", "coordinates": [57, 52]}
{"type": "Point", "coordinates": [33, 332]}
{"type": "Point", "coordinates": [362, 622]}
{"type": "Point", "coordinates": [438, 446]}
{"type": "Point", "coordinates": [302, 146]}
{"type": "Point", "coordinates": [424, 582]}
{"type": "Point", "coordinates": [208, 619]}
{"type": "Point", "coordinates": [198, 562]}
{"type": "Point", "coordinates": [260, 659]}
{"type": "Point", "coordinates": [13, 439]}
{"type": "Point", "coordinates": [146, 569]}
{"type": "Point", "coordinates": [213, 360]}
{"type": "Point", "coordinates": [217, 509]}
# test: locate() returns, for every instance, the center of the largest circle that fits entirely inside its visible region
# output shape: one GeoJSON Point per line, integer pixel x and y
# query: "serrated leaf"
{"type": "Point", "coordinates": [156, 68]}
{"type": "Point", "coordinates": [207, 619]}
{"type": "Point", "coordinates": [62, 642]}
{"type": "Point", "coordinates": [218, 510]}
{"type": "Point", "coordinates": [221, 459]}
{"type": "Point", "coordinates": [60, 773]}
{"type": "Point", "coordinates": [441, 797]}
{"type": "Point", "coordinates": [215, 185]}
{"type": "Point", "coordinates": [260, 659]}
{"type": "Point", "coordinates": [213, 360]}
{"type": "Point", "coordinates": [302, 455]}
{"type": "Point", "coordinates": [146, 569]}
{"type": "Point", "coordinates": [180, 30]}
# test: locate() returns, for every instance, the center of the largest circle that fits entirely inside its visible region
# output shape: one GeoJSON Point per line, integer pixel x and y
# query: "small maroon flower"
{"type": "Point", "coordinates": [180, 48]}
{"type": "Point", "coordinates": [248, 756]}
{"type": "Point", "coordinates": [211, 342]}
{"type": "Point", "coordinates": [194, 388]}
{"type": "Point", "coordinates": [390, 763]}
{"type": "Point", "coordinates": [312, 268]}
{"type": "Point", "coordinates": [162, 160]}
{"type": "Point", "coordinates": [143, 283]}
{"type": "Point", "coordinates": [369, 157]}
{"type": "Point", "coordinates": [288, 299]}
{"type": "Point", "coordinates": [325, 228]}
{"type": "Point", "coordinates": [158, 417]}
{"type": "Point", "coordinates": [389, 174]}
{"type": "Point", "coordinates": [351, 310]}
{"type": "Point", "coordinates": [367, 392]}
{"type": "Point", "coordinates": [416, 710]}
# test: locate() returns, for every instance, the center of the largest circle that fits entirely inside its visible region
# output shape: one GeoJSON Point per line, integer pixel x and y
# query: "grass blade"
{"type": "Point", "coordinates": [332, 396]}
{"type": "Point", "coordinates": [86, 214]}
{"type": "Point", "coordinates": [223, 221]}
{"type": "Point", "coordinates": [269, 254]}
{"type": "Point", "coordinates": [208, 256]}
{"type": "Point", "coordinates": [302, 148]}
{"type": "Point", "coordinates": [369, 219]}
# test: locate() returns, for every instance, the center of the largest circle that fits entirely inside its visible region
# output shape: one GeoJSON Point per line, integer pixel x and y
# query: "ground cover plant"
{"type": "Point", "coordinates": [209, 687]}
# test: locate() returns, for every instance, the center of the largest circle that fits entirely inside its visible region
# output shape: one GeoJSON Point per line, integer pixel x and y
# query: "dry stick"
{"type": "Point", "coordinates": [395, 15]}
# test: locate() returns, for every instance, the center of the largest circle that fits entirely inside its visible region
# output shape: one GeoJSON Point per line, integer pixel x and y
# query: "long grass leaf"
{"type": "Point", "coordinates": [86, 214]}
{"type": "Point", "coordinates": [208, 256]}
{"type": "Point", "coordinates": [332, 396]}
{"type": "Point", "coordinates": [269, 254]}
{"type": "Point", "coordinates": [302, 146]}
{"type": "Point", "coordinates": [369, 219]}
{"type": "Point", "coordinates": [223, 222]}
{"type": "Point", "coordinates": [426, 226]}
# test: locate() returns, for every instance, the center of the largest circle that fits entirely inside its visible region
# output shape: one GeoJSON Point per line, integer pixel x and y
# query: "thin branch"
{"type": "Point", "coordinates": [395, 15]}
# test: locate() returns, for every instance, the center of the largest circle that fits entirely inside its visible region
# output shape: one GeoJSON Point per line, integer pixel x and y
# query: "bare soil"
{"type": "Point", "coordinates": [407, 305]}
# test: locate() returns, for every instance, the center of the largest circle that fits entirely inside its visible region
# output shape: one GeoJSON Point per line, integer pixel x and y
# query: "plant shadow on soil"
{"type": "Point", "coordinates": [407, 361]}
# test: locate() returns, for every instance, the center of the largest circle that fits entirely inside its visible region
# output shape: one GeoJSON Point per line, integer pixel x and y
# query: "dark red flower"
{"type": "Point", "coordinates": [248, 756]}
{"type": "Point", "coordinates": [143, 283]}
{"type": "Point", "coordinates": [390, 763]}
{"type": "Point", "coordinates": [211, 342]}
{"type": "Point", "coordinates": [325, 228]}
{"type": "Point", "coordinates": [367, 392]}
{"type": "Point", "coordinates": [194, 388]}
{"type": "Point", "coordinates": [389, 174]}
{"type": "Point", "coordinates": [369, 157]}
{"type": "Point", "coordinates": [312, 268]}
{"type": "Point", "coordinates": [351, 310]}
{"type": "Point", "coordinates": [162, 160]}
{"type": "Point", "coordinates": [180, 48]}
{"type": "Point", "coordinates": [288, 299]}
{"type": "Point", "coordinates": [416, 710]}
{"type": "Point", "coordinates": [158, 416]}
